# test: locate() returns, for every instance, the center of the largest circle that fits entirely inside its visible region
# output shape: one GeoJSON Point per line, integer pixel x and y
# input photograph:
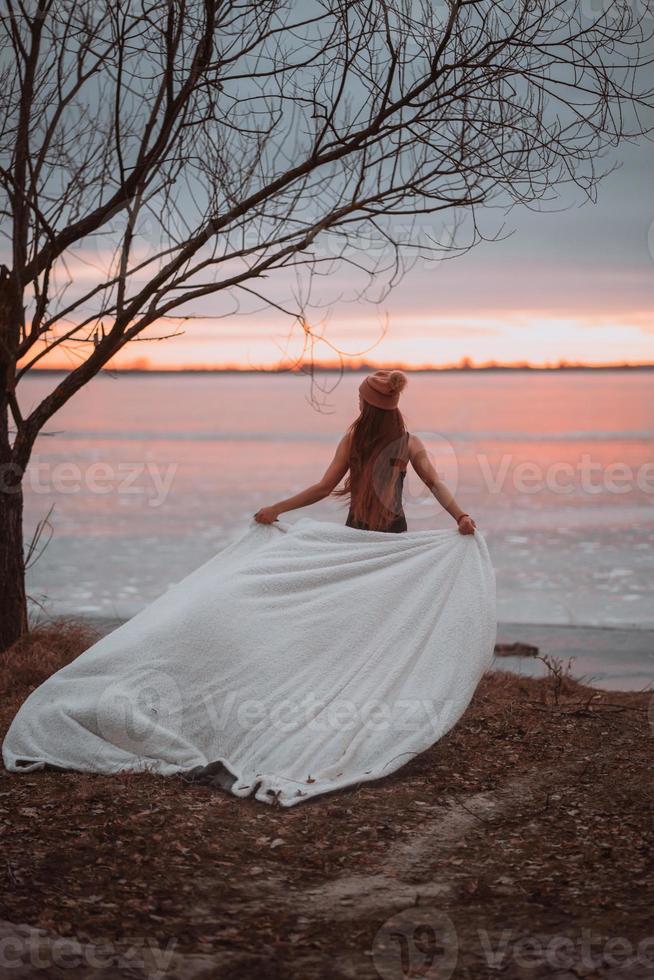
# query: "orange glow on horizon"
{"type": "Point", "coordinates": [512, 338]}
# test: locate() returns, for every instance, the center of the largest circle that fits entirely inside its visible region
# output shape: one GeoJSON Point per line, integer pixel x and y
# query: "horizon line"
{"type": "Point", "coordinates": [463, 366]}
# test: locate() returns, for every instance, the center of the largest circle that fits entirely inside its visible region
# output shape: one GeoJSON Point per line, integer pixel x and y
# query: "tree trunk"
{"type": "Point", "coordinates": [13, 602]}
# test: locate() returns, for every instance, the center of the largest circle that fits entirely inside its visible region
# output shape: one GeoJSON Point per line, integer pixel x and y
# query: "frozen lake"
{"type": "Point", "coordinates": [150, 475]}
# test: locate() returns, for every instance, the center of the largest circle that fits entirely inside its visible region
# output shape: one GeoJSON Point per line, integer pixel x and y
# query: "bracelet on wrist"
{"type": "Point", "coordinates": [460, 517]}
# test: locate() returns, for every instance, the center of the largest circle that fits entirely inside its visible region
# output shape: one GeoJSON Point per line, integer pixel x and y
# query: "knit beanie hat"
{"type": "Point", "coordinates": [382, 389]}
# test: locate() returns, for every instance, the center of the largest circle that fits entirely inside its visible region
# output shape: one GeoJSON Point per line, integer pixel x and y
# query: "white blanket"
{"type": "Point", "coordinates": [302, 658]}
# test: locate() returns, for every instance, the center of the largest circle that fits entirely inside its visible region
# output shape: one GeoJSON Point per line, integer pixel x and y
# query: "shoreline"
{"type": "Point", "coordinates": [362, 368]}
{"type": "Point", "coordinates": [612, 658]}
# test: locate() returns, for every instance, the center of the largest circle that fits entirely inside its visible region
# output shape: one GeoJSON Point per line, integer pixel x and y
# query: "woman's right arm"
{"type": "Point", "coordinates": [425, 470]}
{"type": "Point", "coordinates": [317, 491]}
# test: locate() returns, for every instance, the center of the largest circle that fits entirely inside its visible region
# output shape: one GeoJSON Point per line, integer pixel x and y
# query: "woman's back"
{"type": "Point", "coordinates": [392, 519]}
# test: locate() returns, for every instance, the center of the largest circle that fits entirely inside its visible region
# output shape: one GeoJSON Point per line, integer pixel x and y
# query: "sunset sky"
{"type": "Point", "coordinates": [575, 284]}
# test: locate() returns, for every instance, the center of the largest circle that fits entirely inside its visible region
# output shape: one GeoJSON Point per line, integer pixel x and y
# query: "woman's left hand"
{"type": "Point", "coordinates": [267, 515]}
{"type": "Point", "coordinates": [467, 525]}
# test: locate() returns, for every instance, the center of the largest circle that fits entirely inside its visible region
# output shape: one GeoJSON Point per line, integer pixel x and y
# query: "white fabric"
{"type": "Point", "coordinates": [305, 657]}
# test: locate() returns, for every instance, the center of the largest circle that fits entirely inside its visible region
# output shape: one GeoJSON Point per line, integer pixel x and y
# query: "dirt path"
{"type": "Point", "coordinates": [397, 887]}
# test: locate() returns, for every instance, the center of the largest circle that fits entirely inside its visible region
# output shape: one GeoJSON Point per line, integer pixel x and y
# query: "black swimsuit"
{"type": "Point", "coordinates": [399, 523]}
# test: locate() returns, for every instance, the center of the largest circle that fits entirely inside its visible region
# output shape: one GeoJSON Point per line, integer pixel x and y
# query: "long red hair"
{"type": "Point", "coordinates": [378, 451]}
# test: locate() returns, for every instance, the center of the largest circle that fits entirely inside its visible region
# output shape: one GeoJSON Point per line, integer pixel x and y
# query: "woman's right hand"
{"type": "Point", "coordinates": [267, 515]}
{"type": "Point", "coordinates": [467, 525]}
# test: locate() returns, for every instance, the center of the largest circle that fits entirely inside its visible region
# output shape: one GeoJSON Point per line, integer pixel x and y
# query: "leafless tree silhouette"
{"type": "Point", "coordinates": [155, 153]}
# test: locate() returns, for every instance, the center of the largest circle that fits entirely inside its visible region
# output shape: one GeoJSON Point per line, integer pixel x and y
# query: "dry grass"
{"type": "Point", "coordinates": [45, 649]}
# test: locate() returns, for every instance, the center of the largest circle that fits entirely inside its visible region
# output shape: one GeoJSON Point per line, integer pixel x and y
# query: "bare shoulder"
{"type": "Point", "coordinates": [416, 447]}
{"type": "Point", "coordinates": [343, 447]}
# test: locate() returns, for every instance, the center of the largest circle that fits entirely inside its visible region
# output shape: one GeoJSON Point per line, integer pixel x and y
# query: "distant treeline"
{"type": "Point", "coordinates": [365, 368]}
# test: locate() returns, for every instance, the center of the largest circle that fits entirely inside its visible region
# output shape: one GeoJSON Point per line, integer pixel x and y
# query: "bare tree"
{"type": "Point", "coordinates": [192, 147]}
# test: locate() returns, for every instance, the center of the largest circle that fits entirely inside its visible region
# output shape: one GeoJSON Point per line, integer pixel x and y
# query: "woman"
{"type": "Point", "coordinates": [376, 450]}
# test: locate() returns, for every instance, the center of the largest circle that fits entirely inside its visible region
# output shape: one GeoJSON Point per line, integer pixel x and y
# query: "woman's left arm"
{"type": "Point", "coordinates": [425, 470]}
{"type": "Point", "coordinates": [317, 491]}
